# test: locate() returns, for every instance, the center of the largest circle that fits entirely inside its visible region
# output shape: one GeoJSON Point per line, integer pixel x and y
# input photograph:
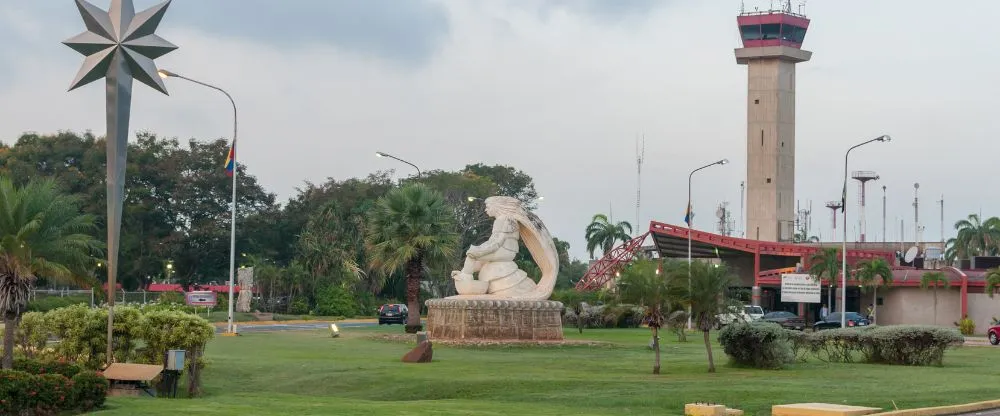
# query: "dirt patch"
{"type": "Point", "coordinates": [412, 339]}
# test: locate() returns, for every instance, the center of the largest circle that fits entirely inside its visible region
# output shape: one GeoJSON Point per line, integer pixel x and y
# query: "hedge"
{"type": "Point", "coordinates": [765, 345]}
{"type": "Point", "coordinates": [50, 394]}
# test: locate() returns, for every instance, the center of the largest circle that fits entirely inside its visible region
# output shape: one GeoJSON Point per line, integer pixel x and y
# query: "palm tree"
{"type": "Point", "coordinates": [603, 234]}
{"type": "Point", "coordinates": [934, 280]}
{"type": "Point", "coordinates": [659, 290]}
{"type": "Point", "coordinates": [42, 234]}
{"type": "Point", "coordinates": [992, 281]}
{"type": "Point", "coordinates": [709, 295]}
{"type": "Point", "coordinates": [826, 262]}
{"type": "Point", "coordinates": [976, 237]}
{"type": "Point", "coordinates": [872, 274]}
{"type": "Point", "coordinates": [408, 229]}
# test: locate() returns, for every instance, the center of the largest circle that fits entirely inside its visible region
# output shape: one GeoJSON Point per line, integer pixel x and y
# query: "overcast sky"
{"type": "Point", "coordinates": [557, 88]}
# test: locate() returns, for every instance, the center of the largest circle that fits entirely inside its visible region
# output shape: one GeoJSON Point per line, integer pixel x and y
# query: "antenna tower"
{"type": "Point", "coordinates": [640, 156]}
{"type": "Point", "coordinates": [863, 177]}
{"type": "Point", "coordinates": [803, 222]}
{"type": "Point", "coordinates": [725, 216]}
{"type": "Point", "coordinates": [834, 206]}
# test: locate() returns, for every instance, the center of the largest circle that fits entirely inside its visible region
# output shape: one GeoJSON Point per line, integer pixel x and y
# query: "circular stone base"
{"type": "Point", "coordinates": [494, 320]}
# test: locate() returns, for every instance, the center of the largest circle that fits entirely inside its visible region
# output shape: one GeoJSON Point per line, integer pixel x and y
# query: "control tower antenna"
{"type": "Point", "coordinates": [863, 177]}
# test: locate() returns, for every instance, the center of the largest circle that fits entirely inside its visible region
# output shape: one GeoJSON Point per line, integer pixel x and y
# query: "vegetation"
{"type": "Point", "coordinates": [975, 237]}
{"type": "Point", "coordinates": [708, 296]}
{"type": "Point", "coordinates": [757, 345]}
{"type": "Point", "coordinates": [335, 376]}
{"type": "Point", "coordinates": [873, 274]}
{"type": "Point", "coordinates": [42, 233]}
{"type": "Point", "coordinates": [409, 229]}
{"type": "Point", "coordinates": [49, 394]}
{"type": "Point", "coordinates": [604, 234]}
{"type": "Point", "coordinates": [659, 290]}
{"type": "Point", "coordinates": [934, 280]}
{"type": "Point", "coordinates": [992, 281]}
{"type": "Point", "coordinates": [826, 263]}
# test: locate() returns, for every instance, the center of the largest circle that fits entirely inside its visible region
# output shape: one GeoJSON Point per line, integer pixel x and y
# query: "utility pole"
{"type": "Point", "coordinates": [640, 156]}
{"type": "Point", "coordinates": [743, 226]}
{"type": "Point", "coordinates": [942, 221]}
{"type": "Point", "coordinates": [883, 216]}
{"type": "Point", "coordinates": [916, 215]}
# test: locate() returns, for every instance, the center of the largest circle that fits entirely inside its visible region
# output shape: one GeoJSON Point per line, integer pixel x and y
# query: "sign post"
{"type": "Point", "coordinates": [800, 288]}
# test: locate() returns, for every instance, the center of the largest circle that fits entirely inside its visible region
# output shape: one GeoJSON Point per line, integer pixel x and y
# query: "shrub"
{"type": "Point", "coordinates": [89, 390]}
{"type": "Point", "coordinates": [65, 369]}
{"type": "Point", "coordinates": [23, 393]}
{"type": "Point", "coordinates": [48, 303]}
{"type": "Point", "coordinates": [167, 298]}
{"type": "Point", "coordinates": [298, 307]}
{"type": "Point", "coordinates": [54, 392]}
{"type": "Point", "coordinates": [622, 316]}
{"type": "Point", "coordinates": [757, 344]}
{"type": "Point", "coordinates": [841, 345]}
{"type": "Point", "coordinates": [14, 389]}
{"type": "Point", "coordinates": [966, 326]}
{"type": "Point", "coordinates": [911, 344]}
{"type": "Point", "coordinates": [335, 301]}
{"type": "Point", "coordinates": [31, 336]}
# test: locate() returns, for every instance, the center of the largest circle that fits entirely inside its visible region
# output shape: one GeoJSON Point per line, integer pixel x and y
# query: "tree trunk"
{"type": "Point", "coordinates": [656, 347]}
{"type": "Point", "coordinates": [708, 349]}
{"type": "Point", "coordinates": [829, 298]}
{"type": "Point", "coordinates": [579, 318]}
{"type": "Point", "coordinates": [875, 305]}
{"type": "Point", "coordinates": [413, 273]}
{"type": "Point", "coordinates": [194, 372]}
{"type": "Point", "coordinates": [10, 325]}
{"type": "Point", "coordinates": [935, 303]}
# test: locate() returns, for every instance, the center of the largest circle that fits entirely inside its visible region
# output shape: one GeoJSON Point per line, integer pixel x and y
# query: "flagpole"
{"type": "Point", "coordinates": [232, 232]}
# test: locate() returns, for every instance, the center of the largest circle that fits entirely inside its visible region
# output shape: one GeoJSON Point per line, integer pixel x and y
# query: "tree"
{"type": "Point", "coordinates": [872, 274]}
{"type": "Point", "coordinates": [708, 297]}
{"type": "Point", "coordinates": [934, 280]}
{"type": "Point", "coordinates": [976, 237]}
{"type": "Point", "coordinates": [826, 262]}
{"type": "Point", "coordinates": [601, 233]}
{"type": "Point", "coordinates": [992, 281]}
{"type": "Point", "coordinates": [42, 233]}
{"type": "Point", "coordinates": [408, 229]}
{"type": "Point", "coordinates": [660, 292]}
{"type": "Point", "coordinates": [511, 182]}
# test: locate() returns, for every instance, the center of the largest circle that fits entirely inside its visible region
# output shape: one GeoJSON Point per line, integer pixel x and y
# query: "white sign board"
{"type": "Point", "coordinates": [796, 288]}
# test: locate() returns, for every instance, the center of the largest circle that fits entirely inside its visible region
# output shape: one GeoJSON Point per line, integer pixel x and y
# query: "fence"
{"type": "Point", "coordinates": [67, 297]}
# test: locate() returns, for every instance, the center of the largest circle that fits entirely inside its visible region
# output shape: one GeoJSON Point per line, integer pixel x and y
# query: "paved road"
{"type": "Point", "coordinates": [994, 412]}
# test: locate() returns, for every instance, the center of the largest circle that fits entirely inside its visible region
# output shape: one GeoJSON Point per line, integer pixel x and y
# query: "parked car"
{"type": "Point", "coordinates": [833, 321]}
{"type": "Point", "coordinates": [735, 314]}
{"type": "Point", "coordinates": [755, 312]}
{"type": "Point", "coordinates": [994, 334]}
{"type": "Point", "coordinates": [787, 320]}
{"type": "Point", "coordinates": [392, 314]}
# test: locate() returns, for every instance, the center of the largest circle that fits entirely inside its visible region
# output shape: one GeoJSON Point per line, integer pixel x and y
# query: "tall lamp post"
{"type": "Point", "coordinates": [232, 231]}
{"type": "Point", "coordinates": [689, 218]}
{"type": "Point", "coordinates": [843, 251]}
{"type": "Point", "coordinates": [383, 154]}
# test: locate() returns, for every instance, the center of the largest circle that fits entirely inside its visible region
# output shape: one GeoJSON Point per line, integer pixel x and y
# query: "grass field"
{"type": "Point", "coordinates": [309, 373]}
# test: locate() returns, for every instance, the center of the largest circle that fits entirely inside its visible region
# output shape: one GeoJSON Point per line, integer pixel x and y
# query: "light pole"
{"type": "Point", "coordinates": [232, 229]}
{"type": "Point", "coordinates": [689, 218]}
{"type": "Point", "coordinates": [383, 154]}
{"type": "Point", "coordinates": [843, 200]}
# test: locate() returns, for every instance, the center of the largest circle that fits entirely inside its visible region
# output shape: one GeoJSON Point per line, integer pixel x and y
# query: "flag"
{"type": "Point", "coordinates": [231, 159]}
{"type": "Point", "coordinates": [688, 216]}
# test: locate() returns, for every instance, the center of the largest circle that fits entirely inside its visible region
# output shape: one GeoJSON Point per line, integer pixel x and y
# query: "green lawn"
{"type": "Point", "coordinates": [309, 373]}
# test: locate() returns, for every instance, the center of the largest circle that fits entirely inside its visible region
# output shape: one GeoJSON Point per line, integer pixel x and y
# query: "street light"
{"type": "Point", "coordinates": [382, 154]}
{"type": "Point", "coordinates": [689, 217]}
{"type": "Point", "coordinates": [843, 199]}
{"type": "Point", "coordinates": [232, 237]}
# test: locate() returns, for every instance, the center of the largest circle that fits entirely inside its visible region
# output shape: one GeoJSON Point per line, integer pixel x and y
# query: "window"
{"type": "Point", "coordinates": [768, 180]}
{"type": "Point", "coordinates": [756, 101]}
{"type": "Point", "coordinates": [751, 32]}
{"type": "Point", "coordinates": [762, 138]}
{"type": "Point", "coordinates": [793, 34]}
{"type": "Point", "coordinates": [770, 31]}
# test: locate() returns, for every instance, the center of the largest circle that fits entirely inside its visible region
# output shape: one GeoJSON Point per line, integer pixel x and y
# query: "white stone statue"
{"type": "Point", "coordinates": [498, 277]}
{"type": "Point", "coordinates": [245, 277]}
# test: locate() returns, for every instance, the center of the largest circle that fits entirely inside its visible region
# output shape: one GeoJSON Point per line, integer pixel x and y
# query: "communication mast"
{"type": "Point", "coordinates": [803, 222]}
{"type": "Point", "coordinates": [640, 156]}
{"type": "Point", "coordinates": [863, 177]}
{"type": "Point", "coordinates": [725, 225]}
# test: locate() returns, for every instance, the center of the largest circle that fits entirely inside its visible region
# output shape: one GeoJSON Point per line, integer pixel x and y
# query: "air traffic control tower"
{"type": "Point", "coordinates": [772, 45]}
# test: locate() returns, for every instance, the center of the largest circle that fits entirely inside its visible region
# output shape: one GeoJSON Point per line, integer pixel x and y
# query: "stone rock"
{"type": "Point", "coordinates": [422, 353]}
{"type": "Point", "coordinates": [494, 320]}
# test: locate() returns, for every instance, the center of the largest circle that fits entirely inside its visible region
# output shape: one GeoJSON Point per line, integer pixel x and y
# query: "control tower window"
{"type": "Point", "coordinates": [770, 31]}
{"type": "Point", "coordinates": [793, 34]}
{"type": "Point", "coordinates": [750, 32]}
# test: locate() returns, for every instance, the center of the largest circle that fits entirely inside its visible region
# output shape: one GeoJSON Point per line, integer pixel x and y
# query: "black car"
{"type": "Point", "coordinates": [833, 321]}
{"type": "Point", "coordinates": [392, 314]}
{"type": "Point", "coordinates": [787, 320]}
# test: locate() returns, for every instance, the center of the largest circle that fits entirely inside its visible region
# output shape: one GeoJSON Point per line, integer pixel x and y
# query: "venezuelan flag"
{"type": "Point", "coordinates": [231, 159]}
{"type": "Point", "coordinates": [687, 216]}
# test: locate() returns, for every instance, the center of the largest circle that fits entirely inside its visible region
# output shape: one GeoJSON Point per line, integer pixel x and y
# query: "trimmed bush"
{"type": "Point", "coordinates": [14, 388]}
{"type": "Point", "coordinates": [54, 393]}
{"type": "Point", "coordinates": [47, 367]}
{"type": "Point", "coordinates": [757, 345]}
{"type": "Point", "coordinates": [90, 389]}
{"type": "Point", "coordinates": [911, 344]}
{"type": "Point", "coordinates": [46, 394]}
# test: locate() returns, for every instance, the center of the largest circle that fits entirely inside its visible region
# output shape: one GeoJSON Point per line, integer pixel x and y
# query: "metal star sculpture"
{"type": "Point", "coordinates": [119, 45]}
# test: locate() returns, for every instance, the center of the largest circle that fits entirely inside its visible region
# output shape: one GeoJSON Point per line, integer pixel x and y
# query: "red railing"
{"type": "Point", "coordinates": [604, 269]}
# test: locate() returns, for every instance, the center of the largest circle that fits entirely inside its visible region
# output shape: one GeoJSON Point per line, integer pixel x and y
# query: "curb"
{"type": "Point", "coordinates": [946, 410]}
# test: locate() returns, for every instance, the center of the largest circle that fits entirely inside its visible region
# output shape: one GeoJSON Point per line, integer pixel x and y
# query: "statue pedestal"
{"type": "Point", "coordinates": [473, 320]}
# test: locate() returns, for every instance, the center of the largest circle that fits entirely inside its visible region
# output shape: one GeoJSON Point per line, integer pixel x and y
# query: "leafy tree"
{"type": "Point", "coordinates": [659, 291]}
{"type": "Point", "coordinates": [708, 297]}
{"type": "Point", "coordinates": [42, 233]}
{"type": "Point", "coordinates": [976, 237]}
{"type": "Point", "coordinates": [408, 229]}
{"type": "Point", "coordinates": [826, 262]}
{"type": "Point", "coordinates": [872, 274]}
{"type": "Point", "coordinates": [511, 182]}
{"type": "Point", "coordinates": [992, 281]}
{"type": "Point", "coordinates": [934, 280]}
{"type": "Point", "coordinates": [603, 234]}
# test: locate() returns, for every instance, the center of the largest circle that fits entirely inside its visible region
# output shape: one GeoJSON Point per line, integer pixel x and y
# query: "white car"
{"type": "Point", "coordinates": [755, 312]}
{"type": "Point", "coordinates": [748, 313]}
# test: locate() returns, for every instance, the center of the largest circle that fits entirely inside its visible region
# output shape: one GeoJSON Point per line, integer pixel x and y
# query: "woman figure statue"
{"type": "Point", "coordinates": [498, 275]}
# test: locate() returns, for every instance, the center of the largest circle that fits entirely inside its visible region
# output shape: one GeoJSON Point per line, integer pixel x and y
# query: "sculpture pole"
{"type": "Point", "coordinates": [119, 45]}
